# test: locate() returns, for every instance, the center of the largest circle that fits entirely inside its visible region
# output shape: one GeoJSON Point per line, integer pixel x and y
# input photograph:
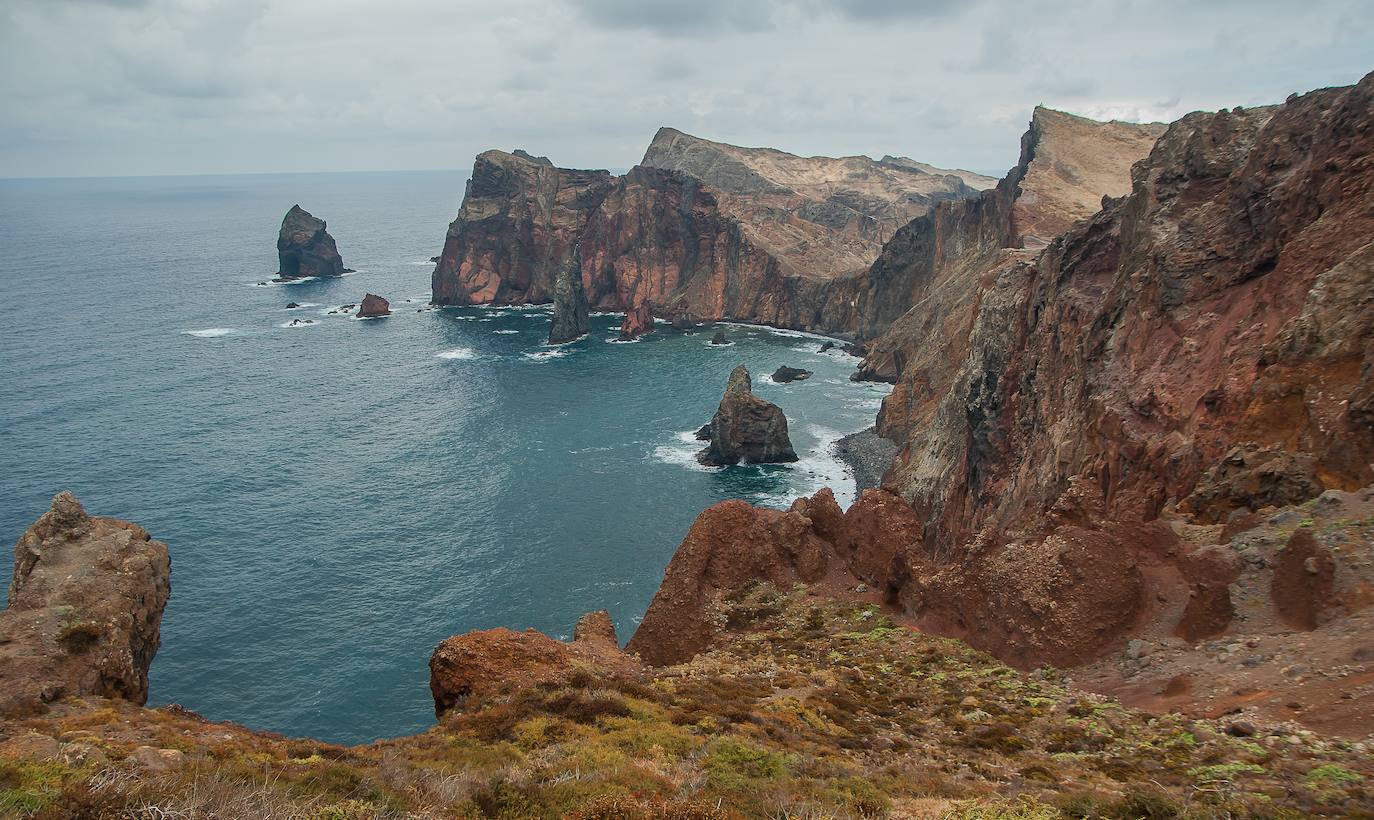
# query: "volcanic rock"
{"type": "Point", "coordinates": [292, 305]}
{"type": "Point", "coordinates": [571, 319]}
{"type": "Point", "coordinates": [715, 229]}
{"type": "Point", "coordinates": [638, 321]}
{"type": "Point", "coordinates": [719, 338]}
{"type": "Point", "coordinates": [1304, 581]}
{"type": "Point", "coordinates": [373, 306]}
{"type": "Point", "coordinates": [85, 610]}
{"type": "Point", "coordinates": [476, 665]}
{"type": "Point", "coordinates": [746, 428]}
{"type": "Point", "coordinates": [786, 374]}
{"type": "Point", "coordinates": [305, 248]}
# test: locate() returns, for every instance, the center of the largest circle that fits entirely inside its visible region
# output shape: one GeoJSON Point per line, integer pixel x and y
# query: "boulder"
{"type": "Point", "coordinates": [469, 668]}
{"type": "Point", "coordinates": [373, 306]}
{"type": "Point", "coordinates": [747, 428]}
{"type": "Point", "coordinates": [85, 610]}
{"type": "Point", "coordinates": [785, 374]}
{"type": "Point", "coordinates": [638, 321]}
{"type": "Point", "coordinates": [719, 338]}
{"type": "Point", "coordinates": [305, 248]}
{"type": "Point", "coordinates": [571, 319]}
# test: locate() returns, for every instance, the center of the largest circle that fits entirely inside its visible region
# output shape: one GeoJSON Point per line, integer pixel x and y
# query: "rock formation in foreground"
{"type": "Point", "coordinates": [85, 610]}
{"type": "Point", "coordinates": [305, 248]}
{"type": "Point", "coordinates": [746, 428]}
{"type": "Point", "coordinates": [475, 666]}
{"type": "Point", "coordinates": [698, 228]}
{"type": "Point", "coordinates": [373, 306]}
{"type": "Point", "coordinates": [571, 319]}
{"type": "Point", "coordinates": [638, 321]}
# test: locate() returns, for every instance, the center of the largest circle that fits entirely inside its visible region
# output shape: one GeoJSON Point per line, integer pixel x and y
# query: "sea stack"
{"type": "Point", "coordinates": [85, 610]}
{"type": "Point", "coordinates": [373, 306]}
{"type": "Point", "coordinates": [746, 428]}
{"type": "Point", "coordinates": [305, 248]}
{"type": "Point", "coordinates": [570, 314]}
{"type": "Point", "coordinates": [719, 338]}
{"type": "Point", "coordinates": [786, 374]}
{"type": "Point", "coordinates": [638, 321]}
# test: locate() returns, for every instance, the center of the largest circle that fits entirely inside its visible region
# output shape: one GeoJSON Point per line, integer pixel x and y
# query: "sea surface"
{"type": "Point", "coordinates": [342, 495]}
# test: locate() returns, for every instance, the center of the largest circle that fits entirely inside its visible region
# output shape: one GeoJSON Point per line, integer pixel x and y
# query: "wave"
{"type": "Point", "coordinates": [786, 332]}
{"type": "Point", "coordinates": [683, 453]}
{"type": "Point", "coordinates": [300, 323]}
{"type": "Point", "coordinates": [463, 353]}
{"type": "Point", "coordinates": [303, 305]}
{"type": "Point", "coordinates": [546, 355]}
{"type": "Point", "coordinates": [616, 340]}
{"type": "Point", "coordinates": [505, 332]}
{"type": "Point", "coordinates": [210, 332]}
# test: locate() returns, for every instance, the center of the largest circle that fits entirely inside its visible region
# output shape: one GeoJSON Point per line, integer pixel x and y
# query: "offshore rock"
{"type": "Point", "coordinates": [719, 338]}
{"type": "Point", "coordinates": [477, 665]}
{"type": "Point", "coordinates": [85, 610]}
{"type": "Point", "coordinates": [571, 318]}
{"type": "Point", "coordinates": [785, 374]}
{"type": "Point", "coordinates": [638, 321]}
{"type": "Point", "coordinates": [373, 306]}
{"type": "Point", "coordinates": [746, 428]}
{"type": "Point", "coordinates": [305, 248]}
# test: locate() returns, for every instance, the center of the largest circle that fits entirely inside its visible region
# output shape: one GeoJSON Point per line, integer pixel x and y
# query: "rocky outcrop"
{"type": "Point", "coordinates": [746, 428]}
{"type": "Point", "coordinates": [85, 610]}
{"type": "Point", "coordinates": [698, 228]}
{"type": "Point", "coordinates": [305, 248]}
{"type": "Point", "coordinates": [519, 222]}
{"type": "Point", "coordinates": [719, 339]}
{"type": "Point", "coordinates": [373, 306]}
{"type": "Point", "coordinates": [786, 375]}
{"type": "Point", "coordinates": [476, 665]}
{"type": "Point", "coordinates": [571, 318]}
{"type": "Point", "coordinates": [638, 321]}
{"type": "Point", "coordinates": [1222, 304]}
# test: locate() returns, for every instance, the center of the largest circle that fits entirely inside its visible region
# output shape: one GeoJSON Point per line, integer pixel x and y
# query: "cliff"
{"type": "Point", "coordinates": [698, 228]}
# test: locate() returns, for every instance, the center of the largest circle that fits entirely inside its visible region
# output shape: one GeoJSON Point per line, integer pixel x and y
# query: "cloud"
{"type": "Point", "coordinates": [185, 86]}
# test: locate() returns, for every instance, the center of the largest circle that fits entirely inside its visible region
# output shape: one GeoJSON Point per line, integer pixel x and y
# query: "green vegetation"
{"type": "Point", "coordinates": [817, 710]}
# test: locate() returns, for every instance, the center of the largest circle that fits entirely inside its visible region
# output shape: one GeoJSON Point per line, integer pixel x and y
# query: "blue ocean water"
{"type": "Point", "coordinates": [340, 496]}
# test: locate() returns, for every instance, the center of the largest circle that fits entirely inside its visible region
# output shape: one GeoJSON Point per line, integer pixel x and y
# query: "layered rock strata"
{"type": "Point", "coordinates": [571, 318]}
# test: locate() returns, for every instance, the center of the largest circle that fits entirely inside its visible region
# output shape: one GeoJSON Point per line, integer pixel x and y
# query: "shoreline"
{"type": "Point", "coordinates": [867, 455]}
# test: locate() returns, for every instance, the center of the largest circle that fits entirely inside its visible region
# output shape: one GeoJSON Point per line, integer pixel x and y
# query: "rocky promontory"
{"type": "Point", "coordinates": [746, 428]}
{"type": "Point", "coordinates": [305, 248]}
{"type": "Point", "coordinates": [85, 610]}
{"type": "Point", "coordinates": [699, 227]}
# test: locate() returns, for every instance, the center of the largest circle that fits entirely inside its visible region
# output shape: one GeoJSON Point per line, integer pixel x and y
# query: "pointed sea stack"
{"type": "Point", "coordinates": [746, 428]}
{"type": "Point", "coordinates": [305, 248]}
{"type": "Point", "coordinates": [638, 321]}
{"type": "Point", "coordinates": [570, 315]}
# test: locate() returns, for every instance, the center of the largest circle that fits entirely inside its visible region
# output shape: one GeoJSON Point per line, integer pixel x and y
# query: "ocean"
{"type": "Point", "coordinates": [340, 496]}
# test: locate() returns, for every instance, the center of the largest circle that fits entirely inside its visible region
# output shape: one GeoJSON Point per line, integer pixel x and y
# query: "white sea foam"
{"type": "Point", "coordinates": [505, 332]}
{"type": "Point", "coordinates": [300, 323]}
{"type": "Point", "coordinates": [546, 355]}
{"type": "Point", "coordinates": [683, 452]}
{"type": "Point", "coordinates": [210, 332]}
{"type": "Point", "coordinates": [728, 343]}
{"type": "Point", "coordinates": [779, 331]}
{"type": "Point", "coordinates": [303, 305]}
{"type": "Point", "coordinates": [457, 353]}
{"type": "Point", "coordinates": [616, 340]}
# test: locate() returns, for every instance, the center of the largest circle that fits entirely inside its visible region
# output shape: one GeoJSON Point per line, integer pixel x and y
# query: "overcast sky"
{"type": "Point", "coordinates": [116, 87]}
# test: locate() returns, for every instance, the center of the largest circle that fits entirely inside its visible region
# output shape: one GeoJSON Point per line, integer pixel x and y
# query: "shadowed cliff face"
{"type": "Point", "coordinates": [697, 228]}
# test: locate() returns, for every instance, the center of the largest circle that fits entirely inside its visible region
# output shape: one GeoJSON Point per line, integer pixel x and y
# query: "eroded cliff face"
{"type": "Point", "coordinates": [85, 610]}
{"type": "Point", "coordinates": [698, 228]}
{"type": "Point", "coordinates": [519, 223]}
{"type": "Point", "coordinates": [1224, 303]}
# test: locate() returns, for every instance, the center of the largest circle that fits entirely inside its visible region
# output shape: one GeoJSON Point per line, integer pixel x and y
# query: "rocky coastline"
{"type": "Point", "coordinates": [1111, 556]}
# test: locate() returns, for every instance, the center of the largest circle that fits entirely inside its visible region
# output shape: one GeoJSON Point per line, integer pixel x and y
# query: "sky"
{"type": "Point", "coordinates": [135, 87]}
